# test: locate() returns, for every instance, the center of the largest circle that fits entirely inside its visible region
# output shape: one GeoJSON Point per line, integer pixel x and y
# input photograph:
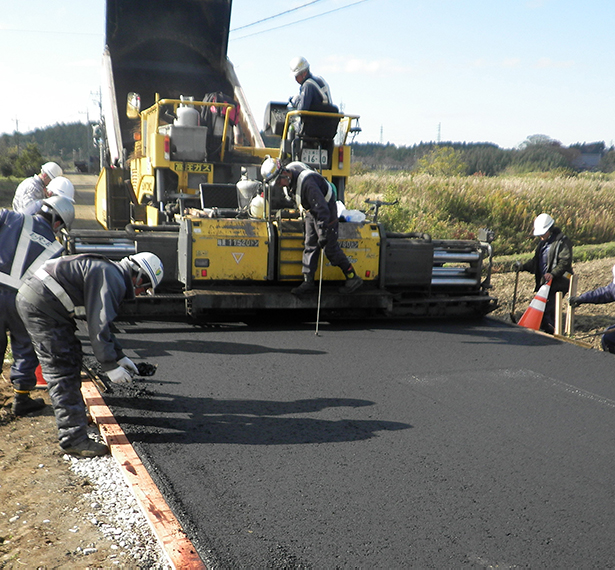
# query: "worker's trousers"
{"type": "Point", "coordinates": [60, 354]}
{"type": "Point", "coordinates": [311, 251]}
{"type": "Point", "coordinates": [23, 376]}
{"type": "Point", "coordinates": [608, 340]}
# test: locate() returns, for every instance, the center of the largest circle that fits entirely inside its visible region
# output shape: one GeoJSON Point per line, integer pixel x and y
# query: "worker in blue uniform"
{"type": "Point", "coordinates": [600, 296]}
{"type": "Point", "coordinates": [47, 303]}
{"type": "Point", "coordinates": [27, 242]}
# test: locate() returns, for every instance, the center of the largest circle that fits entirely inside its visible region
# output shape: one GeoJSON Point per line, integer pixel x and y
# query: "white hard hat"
{"type": "Point", "coordinates": [257, 207]}
{"type": "Point", "coordinates": [270, 168]}
{"type": "Point", "coordinates": [51, 169]}
{"type": "Point", "coordinates": [61, 186]}
{"type": "Point", "coordinates": [151, 265]}
{"type": "Point", "coordinates": [542, 224]}
{"type": "Point", "coordinates": [62, 207]}
{"type": "Point", "coordinates": [298, 65]}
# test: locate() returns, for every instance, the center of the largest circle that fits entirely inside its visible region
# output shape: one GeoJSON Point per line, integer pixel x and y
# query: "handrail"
{"type": "Point", "coordinates": [177, 102]}
{"type": "Point", "coordinates": [292, 114]}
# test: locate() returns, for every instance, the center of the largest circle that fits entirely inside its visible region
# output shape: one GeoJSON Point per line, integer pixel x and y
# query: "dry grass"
{"type": "Point", "coordinates": [456, 207]}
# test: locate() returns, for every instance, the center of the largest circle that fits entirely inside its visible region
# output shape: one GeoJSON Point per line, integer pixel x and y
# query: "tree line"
{"type": "Point", "coordinates": [21, 154]}
{"type": "Point", "coordinates": [538, 153]}
{"type": "Point", "coordinates": [71, 145]}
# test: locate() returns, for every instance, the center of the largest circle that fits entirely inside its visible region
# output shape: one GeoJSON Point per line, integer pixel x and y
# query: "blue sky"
{"type": "Point", "coordinates": [415, 70]}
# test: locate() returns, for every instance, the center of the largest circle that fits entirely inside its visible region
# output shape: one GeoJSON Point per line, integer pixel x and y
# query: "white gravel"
{"type": "Point", "coordinates": [115, 511]}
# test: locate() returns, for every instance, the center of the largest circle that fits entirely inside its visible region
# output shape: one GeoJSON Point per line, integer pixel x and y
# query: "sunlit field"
{"type": "Point", "coordinates": [457, 207]}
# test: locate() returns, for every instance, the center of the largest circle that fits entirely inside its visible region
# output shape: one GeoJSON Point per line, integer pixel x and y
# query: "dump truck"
{"type": "Point", "coordinates": [181, 178]}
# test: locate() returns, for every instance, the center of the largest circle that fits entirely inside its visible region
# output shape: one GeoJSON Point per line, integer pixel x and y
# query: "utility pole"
{"type": "Point", "coordinates": [381, 137]}
{"type": "Point", "coordinates": [439, 129]}
{"type": "Point", "coordinates": [16, 134]}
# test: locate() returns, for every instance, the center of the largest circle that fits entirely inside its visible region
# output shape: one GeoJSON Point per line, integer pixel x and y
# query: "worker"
{"type": "Point", "coordinates": [35, 187]}
{"type": "Point", "coordinates": [59, 186]}
{"type": "Point", "coordinates": [552, 261]}
{"type": "Point", "coordinates": [46, 303]}
{"type": "Point", "coordinates": [316, 196]}
{"type": "Point", "coordinates": [314, 93]}
{"type": "Point", "coordinates": [27, 242]}
{"type": "Point", "coordinates": [600, 296]}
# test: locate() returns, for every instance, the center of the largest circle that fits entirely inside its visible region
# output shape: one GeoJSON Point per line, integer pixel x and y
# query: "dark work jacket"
{"type": "Point", "coordinates": [23, 251]}
{"type": "Point", "coordinates": [599, 296]}
{"type": "Point", "coordinates": [99, 285]}
{"type": "Point", "coordinates": [312, 194]}
{"type": "Point", "coordinates": [559, 262]}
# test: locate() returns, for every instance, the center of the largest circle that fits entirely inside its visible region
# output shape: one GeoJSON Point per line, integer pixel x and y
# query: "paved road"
{"type": "Point", "coordinates": [422, 445]}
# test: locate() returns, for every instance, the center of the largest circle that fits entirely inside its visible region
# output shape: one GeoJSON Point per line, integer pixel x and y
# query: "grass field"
{"type": "Point", "coordinates": [457, 207]}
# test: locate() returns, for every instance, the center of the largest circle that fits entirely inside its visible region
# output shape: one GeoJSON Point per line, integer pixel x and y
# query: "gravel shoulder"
{"type": "Point", "coordinates": [57, 511]}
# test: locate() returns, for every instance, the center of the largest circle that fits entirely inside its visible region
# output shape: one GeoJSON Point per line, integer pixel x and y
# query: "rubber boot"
{"type": "Point", "coordinates": [87, 448]}
{"type": "Point", "coordinates": [308, 286]}
{"type": "Point", "coordinates": [23, 404]}
{"type": "Point", "coordinates": [353, 282]}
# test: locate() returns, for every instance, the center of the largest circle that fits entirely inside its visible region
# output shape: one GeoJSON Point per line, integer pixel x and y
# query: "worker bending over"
{"type": "Point", "coordinates": [315, 195]}
{"type": "Point", "coordinates": [600, 296]}
{"type": "Point", "coordinates": [35, 187]}
{"type": "Point", "coordinates": [46, 304]}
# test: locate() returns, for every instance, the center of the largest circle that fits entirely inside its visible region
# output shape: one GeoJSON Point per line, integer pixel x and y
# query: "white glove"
{"type": "Point", "coordinates": [128, 364]}
{"type": "Point", "coordinates": [119, 375]}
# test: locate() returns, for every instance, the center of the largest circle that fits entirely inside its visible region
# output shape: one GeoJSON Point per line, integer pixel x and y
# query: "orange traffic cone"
{"type": "Point", "coordinates": [532, 317]}
{"type": "Point", "coordinates": [40, 381]}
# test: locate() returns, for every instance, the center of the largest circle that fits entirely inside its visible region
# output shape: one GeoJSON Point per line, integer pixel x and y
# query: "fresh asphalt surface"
{"type": "Point", "coordinates": [377, 445]}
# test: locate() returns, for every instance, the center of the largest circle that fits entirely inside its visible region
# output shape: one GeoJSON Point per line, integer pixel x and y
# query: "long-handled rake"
{"type": "Point", "coordinates": [322, 262]}
{"type": "Point", "coordinates": [514, 300]}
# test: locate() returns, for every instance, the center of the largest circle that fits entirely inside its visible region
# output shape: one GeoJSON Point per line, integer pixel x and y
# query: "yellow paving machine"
{"type": "Point", "coordinates": [182, 179]}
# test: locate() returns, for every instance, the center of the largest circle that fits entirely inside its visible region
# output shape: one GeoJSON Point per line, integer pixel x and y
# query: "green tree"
{"type": "Point", "coordinates": [29, 161]}
{"type": "Point", "coordinates": [540, 153]}
{"type": "Point", "coordinates": [442, 161]}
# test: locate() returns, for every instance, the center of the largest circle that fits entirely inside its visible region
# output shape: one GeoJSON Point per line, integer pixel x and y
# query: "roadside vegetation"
{"type": "Point", "coordinates": [437, 198]}
{"type": "Point", "coordinates": [456, 207]}
{"type": "Point", "coordinates": [447, 190]}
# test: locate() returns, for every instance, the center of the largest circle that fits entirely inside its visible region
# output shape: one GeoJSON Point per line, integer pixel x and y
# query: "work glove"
{"type": "Point", "coordinates": [128, 364]}
{"type": "Point", "coordinates": [119, 375]}
{"type": "Point", "coordinates": [516, 266]}
{"type": "Point", "coordinates": [322, 242]}
{"type": "Point", "coordinates": [574, 301]}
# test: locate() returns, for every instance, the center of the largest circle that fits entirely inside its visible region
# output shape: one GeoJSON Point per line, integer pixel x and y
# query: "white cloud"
{"type": "Point", "coordinates": [356, 66]}
{"type": "Point", "coordinates": [511, 62]}
{"type": "Point", "coordinates": [548, 63]}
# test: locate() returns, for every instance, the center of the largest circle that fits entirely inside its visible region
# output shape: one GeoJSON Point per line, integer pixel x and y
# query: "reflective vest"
{"type": "Point", "coordinates": [31, 249]}
{"type": "Point", "coordinates": [301, 178]}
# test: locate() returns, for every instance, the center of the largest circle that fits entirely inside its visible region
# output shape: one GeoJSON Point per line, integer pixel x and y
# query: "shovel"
{"type": "Point", "coordinates": [514, 300]}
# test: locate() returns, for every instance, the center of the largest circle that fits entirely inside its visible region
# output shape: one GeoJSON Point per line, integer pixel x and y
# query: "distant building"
{"type": "Point", "coordinates": [589, 156]}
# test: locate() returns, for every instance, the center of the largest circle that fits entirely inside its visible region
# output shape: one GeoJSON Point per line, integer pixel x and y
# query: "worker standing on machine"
{"type": "Point", "coordinates": [35, 188]}
{"type": "Point", "coordinates": [46, 304]}
{"type": "Point", "coordinates": [27, 242]}
{"type": "Point", "coordinates": [552, 261]}
{"type": "Point", "coordinates": [315, 195]}
{"type": "Point", "coordinates": [314, 93]}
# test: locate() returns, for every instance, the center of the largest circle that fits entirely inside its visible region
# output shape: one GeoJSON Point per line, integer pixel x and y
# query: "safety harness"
{"type": "Point", "coordinates": [301, 178]}
{"type": "Point", "coordinates": [18, 274]}
{"type": "Point", "coordinates": [323, 90]}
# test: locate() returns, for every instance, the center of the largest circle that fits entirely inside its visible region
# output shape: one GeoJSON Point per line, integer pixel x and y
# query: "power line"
{"type": "Point", "coordinates": [275, 16]}
{"type": "Point", "coordinates": [299, 21]}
